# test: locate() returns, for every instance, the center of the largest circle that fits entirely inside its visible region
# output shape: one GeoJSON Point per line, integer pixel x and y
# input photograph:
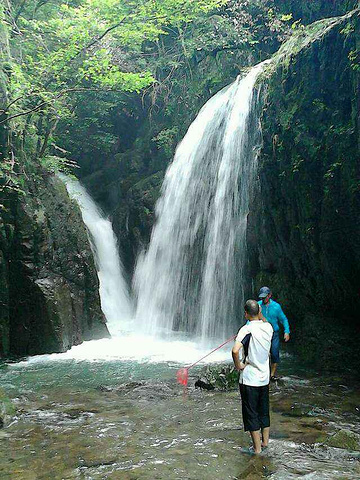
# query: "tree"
{"type": "Point", "coordinates": [59, 50]}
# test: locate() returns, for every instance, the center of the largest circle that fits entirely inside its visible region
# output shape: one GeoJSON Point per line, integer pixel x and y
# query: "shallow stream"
{"type": "Point", "coordinates": [108, 418]}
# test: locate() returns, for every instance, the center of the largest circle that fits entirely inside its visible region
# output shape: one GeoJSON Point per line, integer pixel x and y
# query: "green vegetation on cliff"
{"type": "Point", "coordinates": [306, 245]}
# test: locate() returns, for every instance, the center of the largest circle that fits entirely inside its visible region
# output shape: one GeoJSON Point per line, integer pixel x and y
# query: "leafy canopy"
{"type": "Point", "coordinates": [53, 51]}
{"type": "Point", "coordinates": [66, 43]}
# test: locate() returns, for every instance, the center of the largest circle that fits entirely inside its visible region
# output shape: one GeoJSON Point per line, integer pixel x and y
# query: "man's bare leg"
{"type": "Point", "coordinates": [273, 369]}
{"type": "Point", "coordinates": [256, 439]}
{"type": "Point", "coordinates": [265, 432]}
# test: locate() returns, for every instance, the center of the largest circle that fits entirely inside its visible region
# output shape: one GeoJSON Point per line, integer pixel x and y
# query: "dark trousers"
{"type": "Point", "coordinates": [275, 348]}
{"type": "Point", "coordinates": [255, 407]}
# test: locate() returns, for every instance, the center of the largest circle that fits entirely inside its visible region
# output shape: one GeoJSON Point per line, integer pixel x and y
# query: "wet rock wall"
{"type": "Point", "coordinates": [49, 286]}
{"type": "Point", "coordinates": [304, 229]}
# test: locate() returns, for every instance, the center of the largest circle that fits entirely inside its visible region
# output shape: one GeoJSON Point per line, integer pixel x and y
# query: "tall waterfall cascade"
{"type": "Point", "coordinates": [191, 279]}
{"type": "Point", "coordinates": [114, 295]}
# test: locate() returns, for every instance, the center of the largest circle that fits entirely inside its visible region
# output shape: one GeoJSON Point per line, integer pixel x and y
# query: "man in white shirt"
{"type": "Point", "coordinates": [254, 342]}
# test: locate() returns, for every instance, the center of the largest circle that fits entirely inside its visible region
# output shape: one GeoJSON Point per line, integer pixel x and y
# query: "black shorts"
{"type": "Point", "coordinates": [255, 407]}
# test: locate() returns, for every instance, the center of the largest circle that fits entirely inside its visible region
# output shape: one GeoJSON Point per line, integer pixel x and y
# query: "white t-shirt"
{"type": "Point", "coordinates": [257, 336]}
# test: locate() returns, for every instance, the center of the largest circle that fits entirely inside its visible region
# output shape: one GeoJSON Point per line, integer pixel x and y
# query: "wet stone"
{"type": "Point", "coordinates": [298, 411]}
{"type": "Point", "coordinates": [7, 409]}
{"type": "Point", "coordinates": [104, 388]}
{"type": "Point", "coordinates": [218, 377]}
{"type": "Point", "coordinates": [345, 439]}
{"type": "Point", "coordinates": [202, 383]}
{"type": "Point", "coordinates": [74, 413]}
{"type": "Point", "coordinates": [128, 387]}
{"type": "Point", "coordinates": [148, 390]}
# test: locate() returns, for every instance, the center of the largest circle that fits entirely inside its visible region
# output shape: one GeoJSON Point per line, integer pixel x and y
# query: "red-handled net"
{"type": "Point", "coordinates": [182, 376]}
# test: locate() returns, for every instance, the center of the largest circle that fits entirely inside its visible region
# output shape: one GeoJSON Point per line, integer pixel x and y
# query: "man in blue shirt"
{"type": "Point", "coordinates": [273, 313]}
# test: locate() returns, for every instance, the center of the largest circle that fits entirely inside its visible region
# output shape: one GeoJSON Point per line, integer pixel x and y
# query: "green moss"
{"type": "Point", "coordinates": [300, 40]}
{"type": "Point", "coordinates": [7, 408]}
{"type": "Point", "coordinates": [345, 439]}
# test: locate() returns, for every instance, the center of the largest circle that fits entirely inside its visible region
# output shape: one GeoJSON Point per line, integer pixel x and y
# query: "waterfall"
{"type": "Point", "coordinates": [191, 278]}
{"type": "Point", "coordinates": [114, 295]}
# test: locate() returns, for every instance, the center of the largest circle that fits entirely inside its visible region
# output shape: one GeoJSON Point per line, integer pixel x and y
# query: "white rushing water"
{"type": "Point", "coordinates": [135, 347]}
{"type": "Point", "coordinates": [191, 277]}
{"type": "Point", "coordinates": [128, 342]}
{"type": "Point", "coordinates": [114, 295]}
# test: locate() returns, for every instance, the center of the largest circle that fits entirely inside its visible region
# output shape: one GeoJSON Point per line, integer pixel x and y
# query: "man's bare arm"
{"type": "Point", "coordinates": [235, 354]}
{"type": "Point", "coordinates": [261, 316]}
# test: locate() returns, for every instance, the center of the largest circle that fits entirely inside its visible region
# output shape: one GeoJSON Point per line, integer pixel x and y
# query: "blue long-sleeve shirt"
{"type": "Point", "coordinates": [273, 313]}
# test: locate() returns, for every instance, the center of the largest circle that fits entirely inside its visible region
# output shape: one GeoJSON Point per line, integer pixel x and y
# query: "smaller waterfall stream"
{"type": "Point", "coordinates": [114, 295]}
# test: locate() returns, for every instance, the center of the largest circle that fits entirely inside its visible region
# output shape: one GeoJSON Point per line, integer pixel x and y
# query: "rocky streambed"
{"type": "Point", "coordinates": [124, 420]}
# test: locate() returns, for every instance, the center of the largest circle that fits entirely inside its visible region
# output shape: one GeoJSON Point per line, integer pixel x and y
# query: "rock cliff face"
{"type": "Point", "coordinates": [304, 234]}
{"type": "Point", "coordinates": [49, 287]}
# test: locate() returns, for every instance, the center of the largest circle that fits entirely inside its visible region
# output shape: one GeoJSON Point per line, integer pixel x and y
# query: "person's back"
{"type": "Point", "coordinates": [257, 372]}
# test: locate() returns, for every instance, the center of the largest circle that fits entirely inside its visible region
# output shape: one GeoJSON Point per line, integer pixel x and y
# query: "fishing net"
{"type": "Point", "coordinates": [182, 376]}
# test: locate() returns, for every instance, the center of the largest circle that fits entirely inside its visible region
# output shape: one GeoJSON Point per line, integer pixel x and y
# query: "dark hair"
{"type": "Point", "coordinates": [252, 308]}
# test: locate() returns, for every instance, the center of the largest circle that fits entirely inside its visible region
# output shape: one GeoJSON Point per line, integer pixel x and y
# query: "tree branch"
{"type": "Point", "coordinates": [18, 13]}
{"type": "Point", "coordinates": [110, 29]}
{"type": "Point", "coordinates": [48, 134]}
{"type": "Point", "coordinates": [2, 111]}
{"type": "Point", "coordinates": [25, 113]}
{"type": "Point", "coordinates": [40, 4]}
{"type": "Point", "coordinates": [60, 94]}
{"type": "Point", "coordinates": [96, 40]}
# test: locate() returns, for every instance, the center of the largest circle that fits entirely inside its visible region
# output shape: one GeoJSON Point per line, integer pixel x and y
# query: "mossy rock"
{"type": "Point", "coordinates": [345, 439]}
{"type": "Point", "coordinates": [221, 377]}
{"type": "Point", "coordinates": [49, 297]}
{"type": "Point", "coordinates": [7, 409]}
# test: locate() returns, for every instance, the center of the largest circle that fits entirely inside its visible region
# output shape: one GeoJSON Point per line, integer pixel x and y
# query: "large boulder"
{"type": "Point", "coordinates": [49, 285]}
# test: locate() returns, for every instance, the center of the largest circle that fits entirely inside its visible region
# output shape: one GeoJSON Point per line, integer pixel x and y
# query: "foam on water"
{"type": "Point", "coordinates": [139, 348]}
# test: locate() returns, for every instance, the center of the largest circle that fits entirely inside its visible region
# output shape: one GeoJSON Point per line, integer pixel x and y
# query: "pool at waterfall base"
{"type": "Point", "coordinates": [126, 418]}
